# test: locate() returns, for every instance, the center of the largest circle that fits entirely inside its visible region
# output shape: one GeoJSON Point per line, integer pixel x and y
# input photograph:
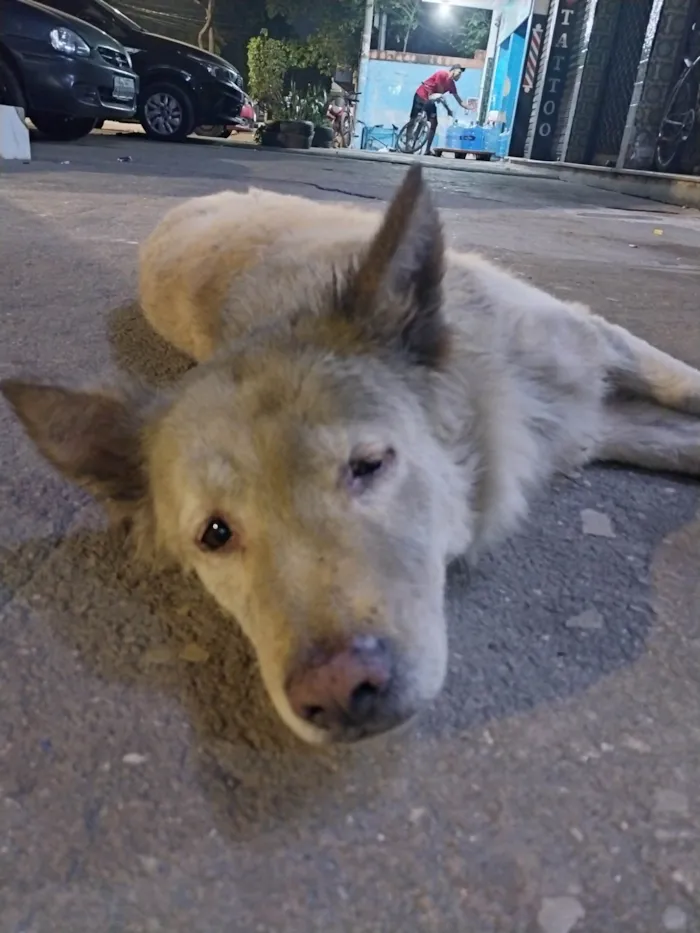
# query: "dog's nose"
{"type": "Point", "coordinates": [347, 688]}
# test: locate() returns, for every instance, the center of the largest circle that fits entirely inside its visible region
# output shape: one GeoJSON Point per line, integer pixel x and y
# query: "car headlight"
{"type": "Point", "coordinates": [69, 42]}
{"type": "Point", "coordinates": [219, 73]}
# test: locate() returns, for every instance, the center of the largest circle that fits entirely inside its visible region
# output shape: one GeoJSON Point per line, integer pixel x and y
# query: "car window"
{"type": "Point", "coordinates": [94, 14]}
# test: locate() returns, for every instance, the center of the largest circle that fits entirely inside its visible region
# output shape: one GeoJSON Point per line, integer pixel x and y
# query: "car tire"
{"type": "Point", "coordinates": [11, 93]}
{"type": "Point", "coordinates": [62, 129]}
{"type": "Point", "coordinates": [166, 112]}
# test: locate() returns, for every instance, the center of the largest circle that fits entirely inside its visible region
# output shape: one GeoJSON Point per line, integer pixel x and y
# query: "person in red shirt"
{"type": "Point", "coordinates": [442, 82]}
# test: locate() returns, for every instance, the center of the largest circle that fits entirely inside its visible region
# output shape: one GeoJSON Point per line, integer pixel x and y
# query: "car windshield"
{"type": "Point", "coordinates": [126, 22]}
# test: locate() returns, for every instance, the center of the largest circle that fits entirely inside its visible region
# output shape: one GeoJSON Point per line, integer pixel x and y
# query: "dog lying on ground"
{"type": "Point", "coordinates": [367, 406]}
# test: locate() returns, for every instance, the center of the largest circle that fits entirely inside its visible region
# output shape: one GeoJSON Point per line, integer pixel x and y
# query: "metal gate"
{"type": "Point", "coordinates": [689, 160]}
{"type": "Point", "coordinates": [630, 30]}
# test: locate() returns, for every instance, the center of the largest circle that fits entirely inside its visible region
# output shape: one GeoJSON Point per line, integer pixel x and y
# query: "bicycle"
{"type": "Point", "coordinates": [414, 134]}
{"type": "Point", "coordinates": [681, 115]}
{"type": "Point", "coordinates": [343, 120]}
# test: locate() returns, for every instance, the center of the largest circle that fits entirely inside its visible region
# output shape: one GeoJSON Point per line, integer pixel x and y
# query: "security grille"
{"type": "Point", "coordinates": [606, 138]}
{"type": "Point", "coordinates": [689, 161]}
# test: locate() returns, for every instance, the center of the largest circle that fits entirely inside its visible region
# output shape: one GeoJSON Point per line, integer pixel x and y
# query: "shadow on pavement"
{"type": "Point", "coordinates": [138, 351]}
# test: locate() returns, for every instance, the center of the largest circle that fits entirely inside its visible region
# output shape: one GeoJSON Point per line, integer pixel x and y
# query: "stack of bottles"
{"type": "Point", "coordinates": [472, 138]}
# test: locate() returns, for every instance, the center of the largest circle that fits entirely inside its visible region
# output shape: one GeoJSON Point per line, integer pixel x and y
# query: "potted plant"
{"type": "Point", "coordinates": [268, 61]}
{"type": "Point", "coordinates": [317, 113]}
{"type": "Point", "coordinates": [300, 122]}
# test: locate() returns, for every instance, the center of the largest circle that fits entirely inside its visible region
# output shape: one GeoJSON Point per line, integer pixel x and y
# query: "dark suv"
{"type": "Point", "coordinates": [65, 74]}
{"type": "Point", "coordinates": [182, 87]}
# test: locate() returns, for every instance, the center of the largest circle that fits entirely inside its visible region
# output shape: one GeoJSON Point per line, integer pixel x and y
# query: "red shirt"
{"type": "Point", "coordinates": [439, 83]}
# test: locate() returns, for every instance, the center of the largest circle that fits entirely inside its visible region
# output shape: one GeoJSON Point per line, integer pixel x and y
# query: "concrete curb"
{"type": "Point", "coordinates": [392, 158]}
{"type": "Point", "coordinates": [679, 190]}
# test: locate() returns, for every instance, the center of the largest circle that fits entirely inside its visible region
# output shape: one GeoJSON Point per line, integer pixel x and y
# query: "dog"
{"type": "Point", "coordinates": [367, 405]}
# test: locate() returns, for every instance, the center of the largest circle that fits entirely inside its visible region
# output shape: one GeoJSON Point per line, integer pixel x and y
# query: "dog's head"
{"type": "Point", "coordinates": [298, 474]}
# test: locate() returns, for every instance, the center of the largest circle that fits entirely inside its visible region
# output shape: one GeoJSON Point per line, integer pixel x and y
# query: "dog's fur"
{"type": "Point", "coordinates": [327, 334]}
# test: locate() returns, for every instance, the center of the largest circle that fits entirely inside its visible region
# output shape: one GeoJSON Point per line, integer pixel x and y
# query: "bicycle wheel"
{"type": "Point", "coordinates": [412, 136]}
{"type": "Point", "coordinates": [345, 130]}
{"type": "Point", "coordinates": [678, 121]}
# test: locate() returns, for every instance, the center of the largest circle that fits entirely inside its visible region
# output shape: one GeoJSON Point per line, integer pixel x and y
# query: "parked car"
{"type": "Point", "coordinates": [66, 74]}
{"type": "Point", "coordinates": [182, 87]}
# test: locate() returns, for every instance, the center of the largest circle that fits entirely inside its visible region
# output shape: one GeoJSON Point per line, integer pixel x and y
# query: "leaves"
{"type": "Point", "coordinates": [329, 32]}
{"type": "Point", "coordinates": [309, 105]}
{"type": "Point", "coordinates": [268, 61]}
{"type": "Point", "coordinates": [471, 33]}
{"type": "Point", "coordinates": [403, 16]}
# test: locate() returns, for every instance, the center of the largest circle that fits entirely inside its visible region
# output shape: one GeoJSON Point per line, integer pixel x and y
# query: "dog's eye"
{"type": "Point", "coordinates": [216, 535]}
{"type": "Point", "coordinates": [362, 470]}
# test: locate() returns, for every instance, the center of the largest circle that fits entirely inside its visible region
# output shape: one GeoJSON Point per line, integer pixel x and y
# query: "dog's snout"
{"type": "Point", "coordinates": [348, 688]}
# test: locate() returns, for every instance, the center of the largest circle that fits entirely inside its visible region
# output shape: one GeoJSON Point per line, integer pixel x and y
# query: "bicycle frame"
{"type": "Point", "coordinates": [343, 119]}
{"type": "Point", "coordinates": [676, 128]}
{"type": "Point", "coordinates": [675, 132]}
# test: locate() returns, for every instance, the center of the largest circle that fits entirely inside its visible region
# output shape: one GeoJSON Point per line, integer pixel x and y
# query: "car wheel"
{"type": "Point", "coordinates": [11, 93]}
{"type": "Point", "coordinates": [166, 112]}
{"type": "Point", "coordinates": [62, 129]}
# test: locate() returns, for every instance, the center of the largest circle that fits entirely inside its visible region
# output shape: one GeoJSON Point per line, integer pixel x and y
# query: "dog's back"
{"type": "Point", "coordinates": [220, 265]}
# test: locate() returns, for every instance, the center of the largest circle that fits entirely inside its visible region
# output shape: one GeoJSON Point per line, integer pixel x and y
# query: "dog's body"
{"type": "Point", "coordinates": [532, 377]}
{"type": "Point", "coordinates": [368, 407]}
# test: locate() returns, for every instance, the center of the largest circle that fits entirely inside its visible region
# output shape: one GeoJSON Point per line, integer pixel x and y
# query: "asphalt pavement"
{"type": "Point", "coordinates": [145, 784]}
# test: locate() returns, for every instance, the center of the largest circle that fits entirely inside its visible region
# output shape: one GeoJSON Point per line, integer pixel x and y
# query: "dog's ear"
{"type": "Point", "coordinates": [394, 295]}
{"type": "Point", "coordinates": [93, 438]}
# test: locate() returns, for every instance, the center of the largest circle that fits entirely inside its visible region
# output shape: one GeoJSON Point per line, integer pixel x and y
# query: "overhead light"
{"type": "Point", "coordinates": [444, 9]}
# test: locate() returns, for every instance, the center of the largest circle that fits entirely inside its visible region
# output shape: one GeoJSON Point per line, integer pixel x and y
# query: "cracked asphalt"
{"type": "Point", "coordinates": [146, 786]}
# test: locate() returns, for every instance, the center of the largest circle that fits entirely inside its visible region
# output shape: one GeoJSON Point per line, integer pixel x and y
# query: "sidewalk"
{"type": "Point", "coordinates": [680, 190]}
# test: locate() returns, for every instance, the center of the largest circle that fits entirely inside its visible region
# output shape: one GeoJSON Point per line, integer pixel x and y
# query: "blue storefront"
{"type": "Point", "coordinates": [509, 72]}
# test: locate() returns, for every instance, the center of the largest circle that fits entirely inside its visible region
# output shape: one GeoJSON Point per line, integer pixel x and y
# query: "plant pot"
{"type": "Point", "coordinates": [323, 137]}
{"type": "Point", "coordinates": [284, 140]}
{"type": "Point", "coordinates": [294, 141]}
{"type": "Point", "coordinates": [270, 137]}
{"type": "Point", "coordinates": [297, 127]}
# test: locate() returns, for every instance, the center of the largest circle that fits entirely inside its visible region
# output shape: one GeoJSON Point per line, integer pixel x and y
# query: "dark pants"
{"type": "Point", "coordinates": [428, 107]}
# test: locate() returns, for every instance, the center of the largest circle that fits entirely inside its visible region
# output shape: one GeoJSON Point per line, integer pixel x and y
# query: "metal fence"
{"type": "Point", "coordinates": [606, 138]}
{"type": "Point", "coordinates": [689, 161]}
